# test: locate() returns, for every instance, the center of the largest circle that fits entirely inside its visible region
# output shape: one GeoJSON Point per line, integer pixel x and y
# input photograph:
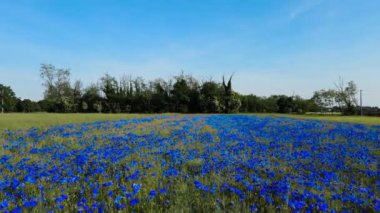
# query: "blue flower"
{"type": "Point", "coordinates": [118, 199]}
{"type": "Point", "coordinates": [323, 207]}
{"type": "Point", "coordinates": [110, 194]}
{"type": "Point", "coordinates": [17, 210]}
{"type": "Point", "coordinates": [108, 184]}
{"type": "Point", "coordinates": [134, 201]}
{"type": "Point", "coordinates": [30, 179]}
{"type": "Point", "coordinates": [152, 194]}
{"type": "Point", "coordinates": [253, 208]}
{"type": "Point", "coordinates": [163, 191]}
{"type": "Point", "coordinates": [136, 188]}
{"type": "Point", "coordinates": [3, 204]}
{"type": "Point", "coordinates": [119, 206]}
{"type": "Point", "coordinates": [377, 205]}
{"type": "Point", "coordinates": [30, 204]}
{"type": "Point", "coordinates": [61, 198]}
{"type": "Point", "coordinates": [198, 184]}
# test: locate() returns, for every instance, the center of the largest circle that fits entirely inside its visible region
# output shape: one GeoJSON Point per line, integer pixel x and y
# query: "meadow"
{"type": "Point", "coordinates": [190, 163]}
{"type": "Point", "coordinates": [44, 120]}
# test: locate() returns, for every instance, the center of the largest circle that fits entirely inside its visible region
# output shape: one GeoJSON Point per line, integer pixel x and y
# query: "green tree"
{"type": "Point", "coordinates": [346, 97]}
{"type": "Point", "coordinates": [58, 91]}
{"type": "Point", "coordinates": [7, 98]}
{"type": "Point", "coordinates": [91, 99]}
{"type": "Point", "coordinates": [181, 94]}
{"type": "Point", "coordinates": [110, 89]}
{"type": "Point", "coordinates": [324, 100]}
{"type": "Point", "coordinates": [285, 104]}
{"type": "Point", "coordinates": [252, 103]}
{"type": "Point", "coordinates": [230, 98]}
{"type": "Point", "coordinates": [142, 96]}
{"type": "Point", "coordinates": [160, 97]}
{"type": "Point", "coordinates": [77, 96]}
{"type": "Point", "coordinates": [27, 105]}
{"type": "Point", "coordinates": [210, 97]}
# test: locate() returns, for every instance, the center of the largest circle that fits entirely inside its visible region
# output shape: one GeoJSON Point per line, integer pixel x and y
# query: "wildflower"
{"type": "Point", "coordinates": [323, 207]}
{"type": "Point", "coordinates": [110, 194]}
{"type": "Point", "coordinates": [119, 206]}
{"type": "Point", "coordinates": [118, 199]}
{"type": "Point", "coordinates": [163, 191]}
{"type": "Point", "coordinates": [152, 194]}
{"type": "Point", "coordinates": [30, 179]}
{"type": "Point", "coordinates": [377, 205]}
{"type": "Point", "coordinates": [198, 184]}
{"type": "Point", "coordinates": [253, 208]}
{"type": "Point", "coordinates": [108, 184]}
{"type": "Point", "coordinates": [3, 204]}
{"type": "Point", "coordinates": [134, 202]}
{"type": "Point", "coordinates": [30, 204]}
{"type": "Point", "coordinates": [17, 210]}
{"type": "Point", "coordinates": [61, 198]}
{"type": "Point", "coordinates": [95, 193]}
{"type": "Point", "coordinates": [136, 188]}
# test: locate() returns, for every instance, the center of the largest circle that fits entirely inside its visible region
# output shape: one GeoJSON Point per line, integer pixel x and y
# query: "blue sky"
{"type": "Point", "coordinates": [272, 47]}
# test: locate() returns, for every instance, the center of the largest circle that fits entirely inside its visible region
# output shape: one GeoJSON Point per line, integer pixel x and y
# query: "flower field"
{"type": "Point", "coordinates": [192, 163]}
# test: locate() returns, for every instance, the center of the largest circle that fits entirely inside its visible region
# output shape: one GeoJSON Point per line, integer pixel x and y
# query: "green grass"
{"type": "Point", "coordinates": [27, 120]}
{"type": "Point", "coordinates": [332, 118]}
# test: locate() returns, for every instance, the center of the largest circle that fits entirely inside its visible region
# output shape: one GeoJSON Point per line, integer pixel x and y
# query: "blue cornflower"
{"type": "Point", "coordinates": [253, 208]}
{"type": "Point", "coordinates": [136, 187]}
{"type": "Point", "coordinates": [118, 199]}
{"type": "Point", "coordinates": [163, 191]}
{"type": "Point", "coordinates": [323, 207]}
{"type": "Point", "coordinates": [61, 198]}
{"type": "Point", "coordinates": [133, 163]}
{"type": "Point", "coordinates": [15, 183]}
{"type": "Point", "coordinates": [134, 202]}
{"type": "Point", "coordinates": [108, 184]}
{"type": "Point", "coordinates": [152, 194]}
{"type": "Point", "coordinates": [17, 210]}
{"type": "Point", "coordinates": [30, 204]}
{"type": "Point", "coordinates": [95, 193]}
{"type": "Point", "coordinates": [119, 206]}
{"type": "Point", "coordinates": [110, 193]}
{"type": "Point", "coordinates": [3, 204]}
{"type": "Point", "coordinates": [30, 179]}
{"type": "Point", "coordinates": [377, 205]}
{"type": "Point", "coordinates": [198, 184]}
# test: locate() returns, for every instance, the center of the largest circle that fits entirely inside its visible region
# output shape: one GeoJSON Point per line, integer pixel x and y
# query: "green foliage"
{"type": "Point", "coordinates": [210, 97]}
{"type": "Point", "coordinates": [342, 99]}
{"type": "Point", "coordinates": [27, 105]}
{"type": "Point", "coordinates": [182, 93]}
{"type": "Point", "coordinates": [9, 98]}
{"type": "Point", "coordinates": [58, 91]}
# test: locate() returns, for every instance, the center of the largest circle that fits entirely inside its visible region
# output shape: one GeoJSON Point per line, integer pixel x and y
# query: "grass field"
{"type": "Point", "coordinates": [189, 163]}
{"type": "Point", "coordinates": [333, 118]}
{"type": "Point", "coordinates": [28, 120]}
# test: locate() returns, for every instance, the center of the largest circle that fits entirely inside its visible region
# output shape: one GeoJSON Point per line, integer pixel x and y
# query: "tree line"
{"type": "Point", "coordinates": [182, 94]}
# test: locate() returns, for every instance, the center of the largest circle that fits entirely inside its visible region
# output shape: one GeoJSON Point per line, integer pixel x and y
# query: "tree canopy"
{"type": "Point", "coordinates": [182, 93]}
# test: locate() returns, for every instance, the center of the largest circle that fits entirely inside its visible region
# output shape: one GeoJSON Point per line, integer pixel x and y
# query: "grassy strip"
{"type": "Point", "coordinates": [332, 118]}
{"type": "Point", "coordinates": [28, 120]}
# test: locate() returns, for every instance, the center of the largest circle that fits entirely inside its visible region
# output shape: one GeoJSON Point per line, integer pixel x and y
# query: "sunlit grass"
{"type": "Point", "coordinates": [368, 120]}
{"type": "Point", "coordinates": [38, 120]}
{"type": "Point", "coordinates": [28, 120]}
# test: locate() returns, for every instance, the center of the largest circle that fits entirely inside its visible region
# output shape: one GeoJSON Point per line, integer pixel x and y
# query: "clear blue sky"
{"type": "Point", "coordinates": [272, 46]}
